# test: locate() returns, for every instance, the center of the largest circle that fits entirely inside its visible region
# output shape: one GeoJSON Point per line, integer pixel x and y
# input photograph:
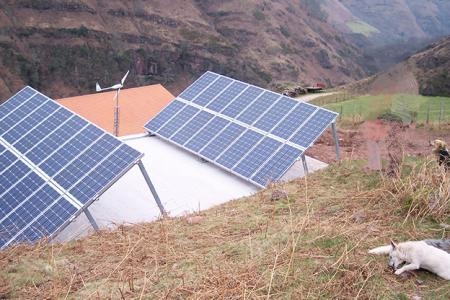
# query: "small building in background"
{"type": "Point", "coordinates": [136, 107]}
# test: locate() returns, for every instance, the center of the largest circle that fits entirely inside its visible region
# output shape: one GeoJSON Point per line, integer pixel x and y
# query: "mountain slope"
{"type": "Point", "coordinates": [425, 73]}
{"type": "Point", "coordinates": [389, 31]}
{"type": "Point", "coordinates": [63, 47]}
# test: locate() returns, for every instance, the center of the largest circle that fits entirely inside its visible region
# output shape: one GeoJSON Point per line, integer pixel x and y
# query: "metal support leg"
{"type": "Point", "coordinates": [336, 141]}
{"type": "Point", "coordinates": [91, 219]}
{"type": "Point", "coordinates": [305, 165]}
{"type": "Point", "coordinates": [152, 188]}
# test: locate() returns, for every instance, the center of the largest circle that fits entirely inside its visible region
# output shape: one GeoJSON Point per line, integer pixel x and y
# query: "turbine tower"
{"type": "Point", "coordinates": [117, 88]}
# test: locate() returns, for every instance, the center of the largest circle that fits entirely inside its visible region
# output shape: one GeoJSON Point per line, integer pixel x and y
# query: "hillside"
{"type": "Point", "coordinates": [389, 31]}
{"type": "Point", "coordinates": [310, 244]}
{"type": "Point", "coordinates": [63, 47]}
{"type": "Point", "coordinates": [425, 73]}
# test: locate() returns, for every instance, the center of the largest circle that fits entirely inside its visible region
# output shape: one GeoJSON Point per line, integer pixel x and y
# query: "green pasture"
{"type": "Point", "coordinates": [407, 108]}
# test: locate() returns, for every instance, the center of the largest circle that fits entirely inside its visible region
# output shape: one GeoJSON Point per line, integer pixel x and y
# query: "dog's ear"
{"type": "Point", "coordinates": [393, 245]}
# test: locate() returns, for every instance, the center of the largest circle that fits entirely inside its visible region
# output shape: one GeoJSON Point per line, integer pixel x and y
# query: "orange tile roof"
{"type": "Point", "coordinates": [136, 107]}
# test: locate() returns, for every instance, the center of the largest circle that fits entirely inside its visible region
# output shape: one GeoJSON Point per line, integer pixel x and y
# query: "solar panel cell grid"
{"type": "Point", "coordinates": [192, 127]}
{"type": "Point", "coordinates": [239, 148]}
{"type": "Point", "coordinates": [21, 112]}
{"type": "Point", "coordinates": [262, 152]}
{"type": "Point", "coordinates": [7, 160]}
{"type": "Point", "coordinates": [211, 92]}
{"type": "Point", "coordinates": [15, 101]}
{"type": "Point", "coordinates": [277, 165]}
{"type": "Point", "coordinates": [165, 115]}
{"type": "Point", "coordinates": [26, 142]}
{"type": "Point", "coordinates": [12, 175]}
{"type": "Point", "coordinates": [19, 129]}
{"type": "Point", "coordinates": [90, 185]}
{"type": "Point", "coordinates": [221, 142]}
{"type": "Point", "coordinates": [25, 214]}
{"type": "Point", "coordinates": [84, 163]}
{"type": "Point", "coordinates": [293, 120]}
{"type": "Point", "coordinates": [315, 126]}
{"type": "Point", "coordinates": [176, 123]}
{"type": "Point", "coordinates": [242, 101]}
{"type": "Point", "coordinates": [275, 114]}
{"type": "Point", "coordinates": [19, 193]}
{"type": "Point", "coordinates": [222, 100]}
{"type": "Point", "coordinates": [198, 86]}
{"type": "Point", "coordinates": [55, 139]}
{"type": "Point", "coordinates": [258, 107]}
{"type": "Point", "coordinates": [79, 143]}
{"type": "Point", "coordinates": [48, 222]}
{"type": "Point", "coordinates": [207, 133]}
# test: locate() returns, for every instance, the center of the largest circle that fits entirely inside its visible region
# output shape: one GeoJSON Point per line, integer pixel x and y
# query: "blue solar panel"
{"type": "Point", "coordinates": [275, 114]}
{"type": "Point", "coordinates": [313, 129]}
{"type": "Point", "coordinates": [21, 112]}
{"type": "Point", "coordinates": [192, 127]}
{"type": "Point", "coordinates": [50, 217]}
{"type": "Point", "coordinates": [164, 116]}
{"type": "Point", "coordinates": [198, 86]}
{"type": "Point", "coordinates": [257, 157]}
{"type": "Point", "coordinates": [239, 149]}
{"type": "Point", "coordinates": [176, 123]}
{"type": "Point", "coordinates": [40, 151]}
{"type": "Point", "coordinates": [84, 163]}
{"type": "Point", "coordinates": [250, 131]}
{"type": "Point", "coordinates": [91, 185]}
{"type": "Point", "coordinates": [241, 102]}
{"type": "Point", "coordinates": [23, 127]}
{"type": "Point", "coordinates": [19, 192]}
{"type": "Point", "coordinates": [7, 159]}
{"type": "Point", "coordinates": [15, 101]}
{"type": "Point", "coordinates": [41, 145]}
{"type": "Point", "coordinates": [227, 96]}
{"type": "Point", "coordinates": [221, 141]}
{"type": "Point", "coordinates": [29, 140]}
{"type": "Point", "coordinates": [277, 165]}
{"type": "Point", "coordinates": [293, 120]}
{"type": "Point", "coordinates": [205, 135]}
{"type": "Point", "coordinates": [73, 148]}
{"type": "Point", "coordinates": [257, 108]}
{"type": "Point", "coordinates": [211, 92]}
{"type": "Point", "coordinates": [12, 175]}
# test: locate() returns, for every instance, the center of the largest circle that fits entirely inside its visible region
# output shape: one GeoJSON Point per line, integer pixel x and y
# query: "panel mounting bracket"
{"type": "Point", "coordinates": [152, 188]}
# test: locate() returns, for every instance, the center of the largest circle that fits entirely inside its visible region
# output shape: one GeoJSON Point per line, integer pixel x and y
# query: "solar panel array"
{"type": "Point", "coordinates": [254, 133]}
{"type": "Point", "coordinates": [52, 165]}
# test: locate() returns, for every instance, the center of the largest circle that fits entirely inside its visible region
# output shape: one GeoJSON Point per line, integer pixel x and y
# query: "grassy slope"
{"type": "Point", "coordinates": [311, 244]}
{"type": "Point", "coordinates": [409, 107]}
{"type": "Point", "coordinates": [362, 28]}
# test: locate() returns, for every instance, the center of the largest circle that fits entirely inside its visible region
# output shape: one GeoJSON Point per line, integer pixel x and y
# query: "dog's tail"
{"type": "Point", "coordinates": [381, 250]}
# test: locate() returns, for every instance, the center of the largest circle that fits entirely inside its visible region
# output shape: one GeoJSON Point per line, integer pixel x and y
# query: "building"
{"type": "Point", "coordinates": [136, 107]}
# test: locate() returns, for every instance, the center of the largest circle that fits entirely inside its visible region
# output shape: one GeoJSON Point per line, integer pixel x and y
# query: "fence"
{"type": "Point", "coordinates": [433, 111]}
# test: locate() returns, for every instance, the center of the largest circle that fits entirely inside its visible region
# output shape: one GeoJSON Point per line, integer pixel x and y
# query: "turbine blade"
{"type": "Point", "coordinates": [124, 77]}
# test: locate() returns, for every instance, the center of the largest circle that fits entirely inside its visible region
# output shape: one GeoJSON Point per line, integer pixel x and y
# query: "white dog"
{"type": "Point", "coordinates": [417, 254]}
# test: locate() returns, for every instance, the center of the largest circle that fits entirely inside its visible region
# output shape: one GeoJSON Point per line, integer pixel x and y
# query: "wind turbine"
{"type": "Point", "coordinates": [117, 88]}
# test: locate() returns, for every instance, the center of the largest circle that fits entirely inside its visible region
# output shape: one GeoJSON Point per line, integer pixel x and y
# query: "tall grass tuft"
{"type": "Point", "coordinates": [421, 190]}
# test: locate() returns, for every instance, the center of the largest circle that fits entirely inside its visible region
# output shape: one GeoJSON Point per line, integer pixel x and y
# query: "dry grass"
{"type": "Point", "coordinates": [423, 192]}
{"type": "Point", "coordinates": [311, 244]}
